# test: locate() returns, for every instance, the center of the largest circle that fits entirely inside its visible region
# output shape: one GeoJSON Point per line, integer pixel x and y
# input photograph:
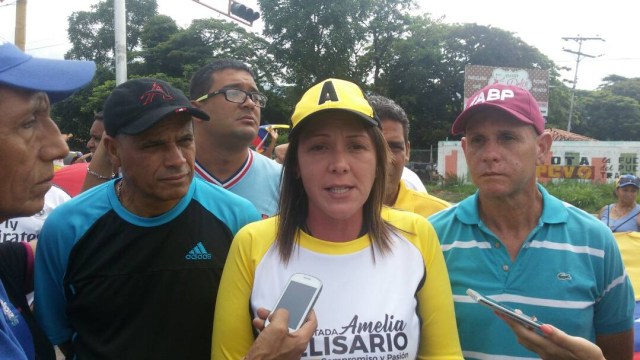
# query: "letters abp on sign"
{"type": "Point", "coordinates": [492, 94]}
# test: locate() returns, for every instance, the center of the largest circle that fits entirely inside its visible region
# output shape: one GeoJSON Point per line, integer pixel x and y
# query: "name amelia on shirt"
{"type": "Point", "coordinates": [385, 337]}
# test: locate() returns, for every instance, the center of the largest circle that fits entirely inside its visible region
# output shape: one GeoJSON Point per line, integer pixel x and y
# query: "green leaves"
{"type": "Point", "coordinates": [380, 44]}
{"type": "Point", "coordinates": [92, 35]}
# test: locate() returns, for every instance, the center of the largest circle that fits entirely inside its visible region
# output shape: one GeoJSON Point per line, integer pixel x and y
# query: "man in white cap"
{"type": "Point", "coordinates": [29, 143]}
{"type": "Point", "coordinates": [514, 242]}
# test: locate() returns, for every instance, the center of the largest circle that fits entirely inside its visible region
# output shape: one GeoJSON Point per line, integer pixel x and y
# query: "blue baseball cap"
{"type": "Point", "coordinates": [628, 180]}
{"type": "Point", "coordinates": [58, 78]}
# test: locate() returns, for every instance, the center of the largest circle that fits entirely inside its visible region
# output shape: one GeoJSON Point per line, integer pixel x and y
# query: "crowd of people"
{"type": "Point", "coordinates": [179, 238]}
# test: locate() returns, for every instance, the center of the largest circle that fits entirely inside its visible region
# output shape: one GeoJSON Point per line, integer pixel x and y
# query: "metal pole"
{"type": "Point", "coordinates": [580, 54]}
{"type": "Point", "coordinates": [120, 25]}
{"type": "Point", "coordinates": [431, 153]}
{"type": "Point", "coordinates": [573, 90]}
{"type": "Point", "coordinates": [21, 24]}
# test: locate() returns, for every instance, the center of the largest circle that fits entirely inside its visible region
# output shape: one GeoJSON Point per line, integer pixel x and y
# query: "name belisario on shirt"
{"type": "Point", "coordinates": [385, 336]}
{"type": "Point", "coordinates": [198, 253]}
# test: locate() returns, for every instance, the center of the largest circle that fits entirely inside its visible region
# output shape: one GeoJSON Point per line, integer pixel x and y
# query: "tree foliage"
{"type": "Point", "coordinates": [380, 44]}
{"type": "Point", "coordinates": [608, 116]}
{"type": "Point", "coordinates": [91, 33]}
{"type": "Point", "coordinates": [426, 75]}
{"type": "Point", "coordinates": [181, 52]}
{"type": "Point", "coordinates": [315, 40]}
{"type": "Point", "coordinates": [623, 87]}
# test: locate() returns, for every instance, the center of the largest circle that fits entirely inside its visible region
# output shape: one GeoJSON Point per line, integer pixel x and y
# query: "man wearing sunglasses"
{"type": "Point", "coordinates": [227, 92]}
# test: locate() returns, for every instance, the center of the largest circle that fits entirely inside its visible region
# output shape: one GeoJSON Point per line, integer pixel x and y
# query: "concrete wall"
{"type": "Point", "coordinates": [599, 161]}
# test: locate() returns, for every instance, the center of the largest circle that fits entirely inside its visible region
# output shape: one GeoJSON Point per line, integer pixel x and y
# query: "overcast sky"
{"type": "Point", "coordinates": [542, 24]}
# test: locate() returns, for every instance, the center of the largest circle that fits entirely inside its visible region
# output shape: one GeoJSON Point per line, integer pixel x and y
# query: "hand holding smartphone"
{"type": "Point", "coordinates": [298, 298]}
{"type": "Point", "coordinates": [504, 309]}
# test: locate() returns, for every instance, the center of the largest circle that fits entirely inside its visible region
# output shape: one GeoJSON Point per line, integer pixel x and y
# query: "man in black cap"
{"type": "Point", "coordinates": [130, 269]}
{"type": "Point", "coordinates": [29, 142]}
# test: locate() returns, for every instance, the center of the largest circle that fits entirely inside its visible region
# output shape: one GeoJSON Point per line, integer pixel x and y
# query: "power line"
{"type": "Point", "coordinates": [603, 60]}
{"type": "Point", "coordinates": [580, 56]}
{"type": "Point", "coordinates": [46, 46]}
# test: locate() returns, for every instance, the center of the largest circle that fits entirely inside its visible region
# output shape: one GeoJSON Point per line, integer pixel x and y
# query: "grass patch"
{"type": "Point", "coordinates": [587, 196]}
{"type": "Point", "coordinates": [452, 193]}
{"type": "Point", "coordinates": [584, 195]}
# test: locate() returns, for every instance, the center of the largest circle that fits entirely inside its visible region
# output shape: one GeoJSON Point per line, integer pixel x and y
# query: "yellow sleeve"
{"type": "Point", "coordinates": [418, 202]}
{"type": "Point", "coordinates": [439, 332]}
{"type": "Point", "coordinates": [629, 245]}
{"type": "Point", "coordinates": [427, 205]}
{"type": "Point", "coordinates": [232, 326]}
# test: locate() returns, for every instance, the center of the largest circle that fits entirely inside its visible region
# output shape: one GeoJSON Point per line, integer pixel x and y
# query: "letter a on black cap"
{"type": "Point", "coordinates": [156, 90]}
{"type": "Point", "coordinates": [328, 93]}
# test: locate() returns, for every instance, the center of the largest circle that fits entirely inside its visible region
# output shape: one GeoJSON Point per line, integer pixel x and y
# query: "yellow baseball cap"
{"type": "Point", "coordinates": [333, 94]}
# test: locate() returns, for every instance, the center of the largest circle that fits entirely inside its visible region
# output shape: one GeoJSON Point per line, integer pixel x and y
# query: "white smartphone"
{"type": "Point", "coordinates": [504, 309]}
{"type": "Point", "coordinates": [298, 298]}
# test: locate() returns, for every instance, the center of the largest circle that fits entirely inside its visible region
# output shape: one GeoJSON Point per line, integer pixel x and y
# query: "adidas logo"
{"type": "Point", "coordinates": [198, 253]}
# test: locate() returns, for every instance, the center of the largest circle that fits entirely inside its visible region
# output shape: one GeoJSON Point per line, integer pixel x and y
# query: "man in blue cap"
{"type": "Point", "coordinates": [29, 142]}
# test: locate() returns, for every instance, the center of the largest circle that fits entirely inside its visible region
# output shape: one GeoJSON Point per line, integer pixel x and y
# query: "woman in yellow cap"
{"type": "Point", "coordinates": [386, 292]}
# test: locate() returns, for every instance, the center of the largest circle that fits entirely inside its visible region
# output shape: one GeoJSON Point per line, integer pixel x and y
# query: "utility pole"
{"type": "Point", "coordinates": [21, 24]}
{"type": "Point", "coordinates": [120, 28]}
{"type": "Point", "coordinates": [579, 57]}
{"type": "Point", "coordinates": [20, 37]}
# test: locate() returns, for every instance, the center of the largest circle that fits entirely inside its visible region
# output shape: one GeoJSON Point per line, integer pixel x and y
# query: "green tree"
{"type": "Point", "coordinates": [612, 79]}
{"type": "Point", "coordinates": [606, 116]}
{"type": "Point", "coordinates": [387, 22]}
{"type": "Point", "coordinates": [423, 83]}
{"type": "Point", "coordinates": [182, 52]}
{"type": "Point", "coordinates": [484, 45]}
{"type": "Point", "coordinates": [417, 61]}
{"type": "Point", "coordinates": [426, 75]}
{"type": "Point", "coordinates": [158, 30]}
{"type": "Point", "coordinates": [314, 40]}
{"type": "Point", "coordinates": [559, 103]}
{"type": "Point", "coordinates": [622, 86]}
{"type": "Point", "coordinates": [91, 33]}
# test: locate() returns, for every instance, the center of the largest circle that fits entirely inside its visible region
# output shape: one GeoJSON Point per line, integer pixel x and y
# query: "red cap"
{"type": "Point", "coordinates": [513, 100]}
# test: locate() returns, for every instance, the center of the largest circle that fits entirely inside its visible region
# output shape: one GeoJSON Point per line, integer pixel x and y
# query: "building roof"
{"type": "Point", "coordinates": [562, 135]}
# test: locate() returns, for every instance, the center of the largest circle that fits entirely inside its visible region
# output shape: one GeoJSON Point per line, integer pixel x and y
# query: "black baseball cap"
{"type": "Point", "coordinates": [136, 105]}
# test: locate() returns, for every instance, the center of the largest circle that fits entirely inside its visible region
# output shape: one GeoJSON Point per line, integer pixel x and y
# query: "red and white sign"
{"type": "Point", "coordinates": [534, 80]}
